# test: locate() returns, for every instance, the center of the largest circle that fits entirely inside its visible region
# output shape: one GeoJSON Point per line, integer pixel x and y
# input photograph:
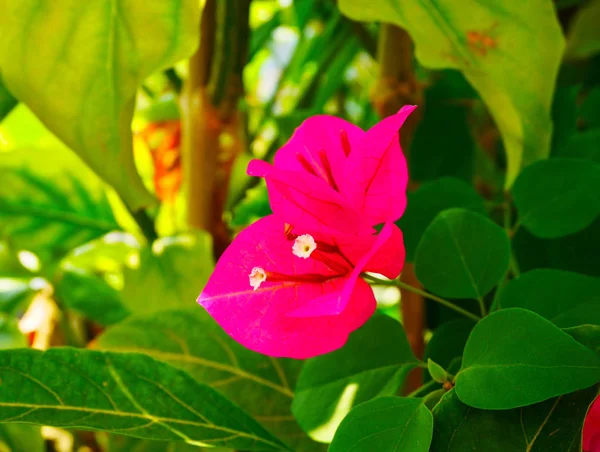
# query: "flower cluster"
{"type": "Point", "coordinates": [290, 284]}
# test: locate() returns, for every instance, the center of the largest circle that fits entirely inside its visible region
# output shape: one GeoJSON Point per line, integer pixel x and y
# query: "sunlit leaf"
{"type": "Point", "coordinates": [171, 273]}
{"type": "Point", "coordinates": [509, 52]}
{"type": "Point", "coordinates": [191, 340]}
{"type": "Point", "coordinates": [50, 217]}
{"type": "Point", "coordinates": [130, 394]}
{"type": "Point", "coordinates": [77, 66]}
{"type": "Point", "coordinates": [374, 362]}
{"type": "Point", "coordinates": [385, 424]}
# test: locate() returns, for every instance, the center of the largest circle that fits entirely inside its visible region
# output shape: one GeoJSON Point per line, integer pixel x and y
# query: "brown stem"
{"type": "Point", "coordinates": [213, 127]}
{"type": "Point", "coordinates": [397, 86]}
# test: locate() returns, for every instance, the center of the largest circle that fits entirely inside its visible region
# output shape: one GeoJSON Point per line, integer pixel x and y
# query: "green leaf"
{"type": "Point", "coordinates": [7, 101]}
{"type": "Point", "coordinates": [10, 335]}
{"type": "Point", "coordinates": [171, 273]}
{"type": "Point", "coordinates": [589, 110]}
{"type": "Point", "coordinates": [430, 199]}
{"type": "Point", "coordinates": [448, 342]}
{"type": "Point", "coordinates": [462, 254]}
{"type": "Point", "coordinates": [374, 362]}
{"type": "Point", "coordinates": [515, 358]}
{"type": "Point", "coordinates": [191, 340]}
{"type": "Point", "coordinates": [510, 53]}
{"type": "Point", "coordinates": [576, 252]}
{"type": "Point", "coordinates": [583, 38]}
{"type": "Point", "coordinates": [48, 216]}
{"type": "Point", "coordinates": [588, 335]}
{"type": "Point", "coordinates": [78, 66]}
{"type": "Point", "coordinates": [14, 293]}
{"type": "Point", "coordinates": [127, 393]}
{"type": "Point", "coordinates": [553, 425]}
{"type": "Point", "coordinates": [584, 145]}
{"type": "Point", "coordinates": [21, 438]}
{"type": "Point", "coordinates": [557, 197]}
{"type": "Point", "coordinates": [436, 371]}
{"type": "Point", "coordinates": [90, 295]}
{"type": "Point", "coordinates": [385, 424]}
{"type": "Point", "coordinates": [566, 299]}
{"type": "Point", "coordinates": [252, 207]}
{"type": "Point", "coordinates": [120, 443]}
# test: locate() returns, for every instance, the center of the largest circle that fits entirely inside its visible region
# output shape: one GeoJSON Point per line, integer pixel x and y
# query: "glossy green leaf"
{"type": "Point", "coordinates": [7, 101]}
{"type": "Point", "coordinates": [385, 424]}
{"type": "Point", "coordinates": [374, 362]}
{"type": "Point", "coordinates": [120, 443]}
{"type": "Point", "coordinates": [558, 197]}
{"type": "Point", "coordinates": [515, 358]}
{"type": "Point", "coordinates": [170, 274]}
{"type": "Point", "coordinates": [462, 254]}
{"type": "Point", "coordinates": [48, 216]}
{"type": "Point", "coordinates": [509, 52]}
{"type": "Point", "coordinates": [551, 426]}
{"type": "Point", "coordinates": [78, 65]}
{"type": "Point", "coordinates": [131, 394]}
{"type": "Point", "coordinates": [566, 299]}
{"type": "Point", "coordinates": [430, 199]}
{"type": "Point", "coordinates": [448, 342]}
{"type": "Point", "coordinates": [191, 340]}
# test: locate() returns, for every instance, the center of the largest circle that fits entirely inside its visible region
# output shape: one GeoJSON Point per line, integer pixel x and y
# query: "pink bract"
{"type": "Point", "coordinates": [332, 175]}
{"type": "Point", "coordinates": [591, 428]}
{"type": "Point", "coordinates": [306, 307]}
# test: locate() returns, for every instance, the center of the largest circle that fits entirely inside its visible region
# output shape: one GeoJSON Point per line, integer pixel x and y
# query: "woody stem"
{"type": "Point", "coordinates": [442, 301]}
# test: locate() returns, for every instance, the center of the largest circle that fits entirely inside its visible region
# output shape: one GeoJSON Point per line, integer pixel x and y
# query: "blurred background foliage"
{"type": "Point", "coordinates": [76, 259]}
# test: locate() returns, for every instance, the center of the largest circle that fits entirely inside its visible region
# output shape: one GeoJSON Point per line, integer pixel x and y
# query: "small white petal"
{"type": "Point", "coordinates": [257, 276]}
{"type": "Point", "coordinates": [304, 245]}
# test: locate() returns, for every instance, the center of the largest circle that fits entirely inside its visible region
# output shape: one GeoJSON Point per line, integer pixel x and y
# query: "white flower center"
{"type": "Point", "coordinates": [257, 276]}
{"type": "Point", "coordinates": [303, 246]}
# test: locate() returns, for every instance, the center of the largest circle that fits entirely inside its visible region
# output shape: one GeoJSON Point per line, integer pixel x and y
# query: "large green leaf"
{"type": "Point", "coordinates": [566, 299]}
{"type": "Point", "coordinates": [462, 254]}
{"type": "Point", "coordinates": [77, 65]}
{"type": "Point", "coordinates": [515, 358]}
{"type": "Point", "coordinates": [120, 443]}
{"type": "Point", "coordinates": [49, 216]}
{"type": "Point", "coordinates": [191, 340]}
{"type": "Point", "coordinates": [558, 197]}
{"type": "Point", "coordinates": [171, 273]}
{"type": "Point", "coordinates": [430, 199]}
{"type": "Point", "coordinates": [588, 335]}
{"type": "Point", "coordinates": [551, 426]}
{"type": "Point", "coordinates": [128, 393]}
{"type": "Point", "coordinates": [385, 424]}
{"type": "Point", "coordinates": [374, 362]}
{"type": "Point", "coordinates": [509, 51]}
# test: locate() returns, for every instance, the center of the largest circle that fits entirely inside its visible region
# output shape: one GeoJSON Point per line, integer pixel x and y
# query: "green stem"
{"type": "Point", "coordinates": [482, 308]}
{"type": "Point", "coordinates": [400, 284]}
{"type": "Point", "coordinates": [423, 389]}
{"type": "Point", "coordinates": [146, 224]}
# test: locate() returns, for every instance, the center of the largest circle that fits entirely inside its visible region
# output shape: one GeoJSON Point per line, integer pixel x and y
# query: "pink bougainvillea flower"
{"type": "Point", "coordinates": [287, 294]}
{"type": "Point", "coordinates": [332, 175]}
{"type": "Point", "coordinates": [591, 428]}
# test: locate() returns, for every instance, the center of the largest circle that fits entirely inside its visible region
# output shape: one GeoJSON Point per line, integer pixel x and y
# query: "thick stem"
{"type": "Point", "coordinates": [214, 132]}
{"type": "Point", "coordinates": [396, 87]}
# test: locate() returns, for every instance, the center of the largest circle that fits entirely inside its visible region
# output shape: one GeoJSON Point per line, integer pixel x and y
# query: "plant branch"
{"type": "Point", "coordinates": [442, 301]}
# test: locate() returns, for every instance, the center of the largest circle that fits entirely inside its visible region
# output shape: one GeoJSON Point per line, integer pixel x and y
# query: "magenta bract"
{"type": "Point", "coordinates": [289, 285]}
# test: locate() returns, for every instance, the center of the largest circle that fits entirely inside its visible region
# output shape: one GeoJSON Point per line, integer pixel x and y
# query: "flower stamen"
{"type": "Point", "coordinates": [257, 276]}
{"type": "Point", "coordinates": [304, 245]}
